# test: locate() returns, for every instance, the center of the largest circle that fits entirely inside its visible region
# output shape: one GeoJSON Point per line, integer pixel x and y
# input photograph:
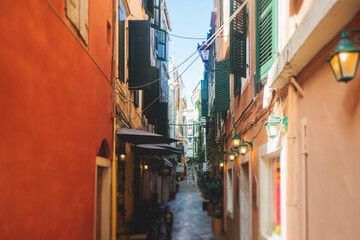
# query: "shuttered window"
{"type": "Point", "coordinates": [204, 98]}
{"type": "Point", "coordinates": [139, 53]}
{"type": "Point", "coordinates": [237, 85]}
{"type": "Point", "coordinates": [267, 35]}
{"type": "Point", "coordinates": [78, 13]}
{"type": "Point", "coordinates": [162, 121]}
{"type": "Point", "coordinates": [238, 30]}
{"type": "Point", "coordinates": [149, 8]}
{"type": "Point", "coordinates": [121, 42]}
{"type": "Point", "coordinates": [222, 86]}
{"type": "Point", "coordinates": [149, 95]}
{"type": "Point", "coordinates": [160, 44]}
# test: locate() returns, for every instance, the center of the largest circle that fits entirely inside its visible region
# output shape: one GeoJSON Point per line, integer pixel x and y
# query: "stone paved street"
{"type": "Point", "coordinates": [190, 222]}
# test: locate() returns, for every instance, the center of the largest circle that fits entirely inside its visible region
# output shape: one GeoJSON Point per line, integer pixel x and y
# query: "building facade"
{"type": "Point", "coordinates": [56, 62]}
{"type": "Point", "coordinates": [269, 65]}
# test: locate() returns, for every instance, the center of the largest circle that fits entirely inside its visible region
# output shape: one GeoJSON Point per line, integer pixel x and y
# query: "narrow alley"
{"type": "Point", "coordinates": [190, 221]}
{"type": "Point", "coordinates": [209, 119]}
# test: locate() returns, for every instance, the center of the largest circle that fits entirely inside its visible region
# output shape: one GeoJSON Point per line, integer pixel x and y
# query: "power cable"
{"type": "Point", "coordinates": [212, 38]}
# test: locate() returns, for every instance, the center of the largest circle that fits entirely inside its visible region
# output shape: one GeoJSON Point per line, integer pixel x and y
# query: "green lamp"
{"type": "Point", "coordinates": [344, 61]}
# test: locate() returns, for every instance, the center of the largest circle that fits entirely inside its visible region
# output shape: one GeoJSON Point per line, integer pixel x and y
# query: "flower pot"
{"type": "Point", "coordinates": [210, 209]}
{"type": "Point", "coordinates": [202, 194]}
{"type": "Point", "coordinates": [217, 226]}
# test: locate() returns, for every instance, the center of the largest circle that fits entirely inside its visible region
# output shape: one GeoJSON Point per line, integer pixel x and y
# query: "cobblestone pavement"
{"type": "Point", "coordinates": [190, 222]}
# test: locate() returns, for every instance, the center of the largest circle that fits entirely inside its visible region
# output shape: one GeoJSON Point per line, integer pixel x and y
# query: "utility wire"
{"type": "Point", "coordinates": [192, 38]}
{"type": "Point", "coordinates": [211, 39]}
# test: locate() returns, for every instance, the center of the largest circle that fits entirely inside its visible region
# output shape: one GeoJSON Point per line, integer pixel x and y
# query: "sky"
{"type": "Point", "coordinates": [189, 18]}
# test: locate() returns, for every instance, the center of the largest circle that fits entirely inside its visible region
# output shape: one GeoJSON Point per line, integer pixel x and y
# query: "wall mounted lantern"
{"type": "Point", "coordinates": [344, 60]}
{"type": "Point", "coordinates": [236, 140]}
{"type": "Point", "coordinates": [146, 167]}
{"type": "Point", "coordinates": [232, 156]}
{"type": "Point", "coordinates": [221, 164]}
{"type": "Point", "coordinates": [272, 126]}
{"type": "Point", "coordinates": [244, 145]}
{"type": "Point", "coordinates": [122, 156]}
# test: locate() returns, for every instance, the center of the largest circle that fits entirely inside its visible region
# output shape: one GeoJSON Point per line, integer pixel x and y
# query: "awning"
{"type": "Point", "coordinates": [151, 149]}
{"type": "Point", "coordinates": [135, 136]}
{"type": "Point", "coordinates": [164, 145]}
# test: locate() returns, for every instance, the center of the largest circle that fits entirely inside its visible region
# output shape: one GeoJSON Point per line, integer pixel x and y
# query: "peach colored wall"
{"type": "Point", "coordinates": [332, 111]}
{"type": "Point", "coordinates": [56, 110]}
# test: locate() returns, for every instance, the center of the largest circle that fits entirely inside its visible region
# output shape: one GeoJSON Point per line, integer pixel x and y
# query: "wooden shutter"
{"type": "Point", "coordinates": [122, 50]}
{"type": "Point", "coordinates": [139, 53]}
{"type": "Point", "coordinates": [149, 8]}
{"type": "Point", "coordinates": [204, 98]}
{"type": "Point", "coordinates": [160, 46]}
{"type": "Point", "coordinates": [237, 85]}
{"type": "Point", "coordinates": [72, 8]}
{"type": "Point", "coordinates": [84, 19]}
{"type": "Point", "coordinates": [222, 88]}
{"type": "Point", "coordinates": [136, 98]}
{"type": "Point", "coordinates": [267, 35]}
{"type": "Point", "coordinates": [238, 29]}
{"type": "Point", "coordinates": [150, 95]}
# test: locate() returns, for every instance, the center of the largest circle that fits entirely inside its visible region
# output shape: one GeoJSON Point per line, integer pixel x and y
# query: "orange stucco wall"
{"type": "Point", "coordinates": [332, 111]}
{"type": "Point", "coordinates": [55, 111]}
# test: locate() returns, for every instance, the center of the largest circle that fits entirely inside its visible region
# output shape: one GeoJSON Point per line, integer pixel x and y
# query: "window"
{"type": "Point", "coordinates": [121, 42]}
{"type": "Point", "coordinates": [266, 37]}
{"type": "Point", "coordinates": [222, 86]}
{"type": "Point", "coordinates": [229, 191]}
{"type": "Point", "coordinates": [238, 32]}
{"type": "Point", "coordinates": [78, 12]}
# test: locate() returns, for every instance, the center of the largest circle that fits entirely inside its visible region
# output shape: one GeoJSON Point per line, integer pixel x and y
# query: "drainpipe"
{"type": "Point", "coordinates": [114, 159]}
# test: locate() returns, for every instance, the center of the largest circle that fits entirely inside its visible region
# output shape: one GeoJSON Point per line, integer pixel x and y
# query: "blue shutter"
{"type": "Point", "coordinates": [222, 86]}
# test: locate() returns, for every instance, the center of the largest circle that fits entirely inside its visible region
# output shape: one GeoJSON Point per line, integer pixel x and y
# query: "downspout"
{"type": "Point", "coordinates": [114, 159]}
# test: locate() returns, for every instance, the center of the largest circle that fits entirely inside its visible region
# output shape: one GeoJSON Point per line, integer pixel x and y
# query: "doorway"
{"type": "Point", "coordinates": [245, 218]}
{"type": "Point", "coordinates": [102, 198]}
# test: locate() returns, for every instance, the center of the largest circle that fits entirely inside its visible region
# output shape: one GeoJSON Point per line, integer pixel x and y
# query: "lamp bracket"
{"type": "Point", "coordinates": [249, 143]}
{"type": "Point", "coordinates": [357, 38]}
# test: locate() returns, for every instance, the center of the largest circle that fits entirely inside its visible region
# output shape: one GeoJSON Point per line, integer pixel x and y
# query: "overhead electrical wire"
{"type": "Point", "coordinates": [211, 39]}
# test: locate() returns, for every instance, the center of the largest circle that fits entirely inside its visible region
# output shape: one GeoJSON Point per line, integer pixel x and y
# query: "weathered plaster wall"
{"type": "Point", "coordinates": [332, 112]}
{"type": "Point", "coordinates": [56, 110]}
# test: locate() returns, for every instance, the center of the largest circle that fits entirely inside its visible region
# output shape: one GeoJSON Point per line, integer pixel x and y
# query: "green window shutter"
{"type": "Point", "coordinates": [139, 53]}
{"type": "Point", "coordinates": [149, 95]}
{"type": "Point", "coordinates": [267, 37]}
{"type": "Point", "coordinates": [222, 86]}
{"type": "Point", "coordinates": [163, 122]}
{"type": "Point", "coordinates": [238, 30]}
{"type": "Point", "coordinates": [160, 44]}
{"type": "Point", "coordinates": [149, 8]}
{"type": "Point", "coordinates": [204, 98]}
{"type": "Point", "coordinates": [122, 50]}
{"type": "Point", "coordinates": [237, 85]}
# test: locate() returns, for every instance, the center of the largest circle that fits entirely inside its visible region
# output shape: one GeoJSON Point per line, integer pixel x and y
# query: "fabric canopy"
{"type": "Point", "coordinates": [164, 145]}
{"type": "Point", "coordinates": [152, 149]}
{"type": "Point", "coordinates": [141, 137]}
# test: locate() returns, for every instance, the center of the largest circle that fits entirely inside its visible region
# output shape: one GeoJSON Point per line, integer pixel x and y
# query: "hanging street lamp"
{"type": "Point", "coordinates": [272, 126]}
{"type": "Point", "coordinates": [344, 60]}
{"type": "Point", "coordinates": [204, 52]}
{"type": "Point", "coordinates": [244, 146]}
{"type": "Point", "coordinates": [122, 156]}
{"type": "Point", "coordinates": [236, 140]}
